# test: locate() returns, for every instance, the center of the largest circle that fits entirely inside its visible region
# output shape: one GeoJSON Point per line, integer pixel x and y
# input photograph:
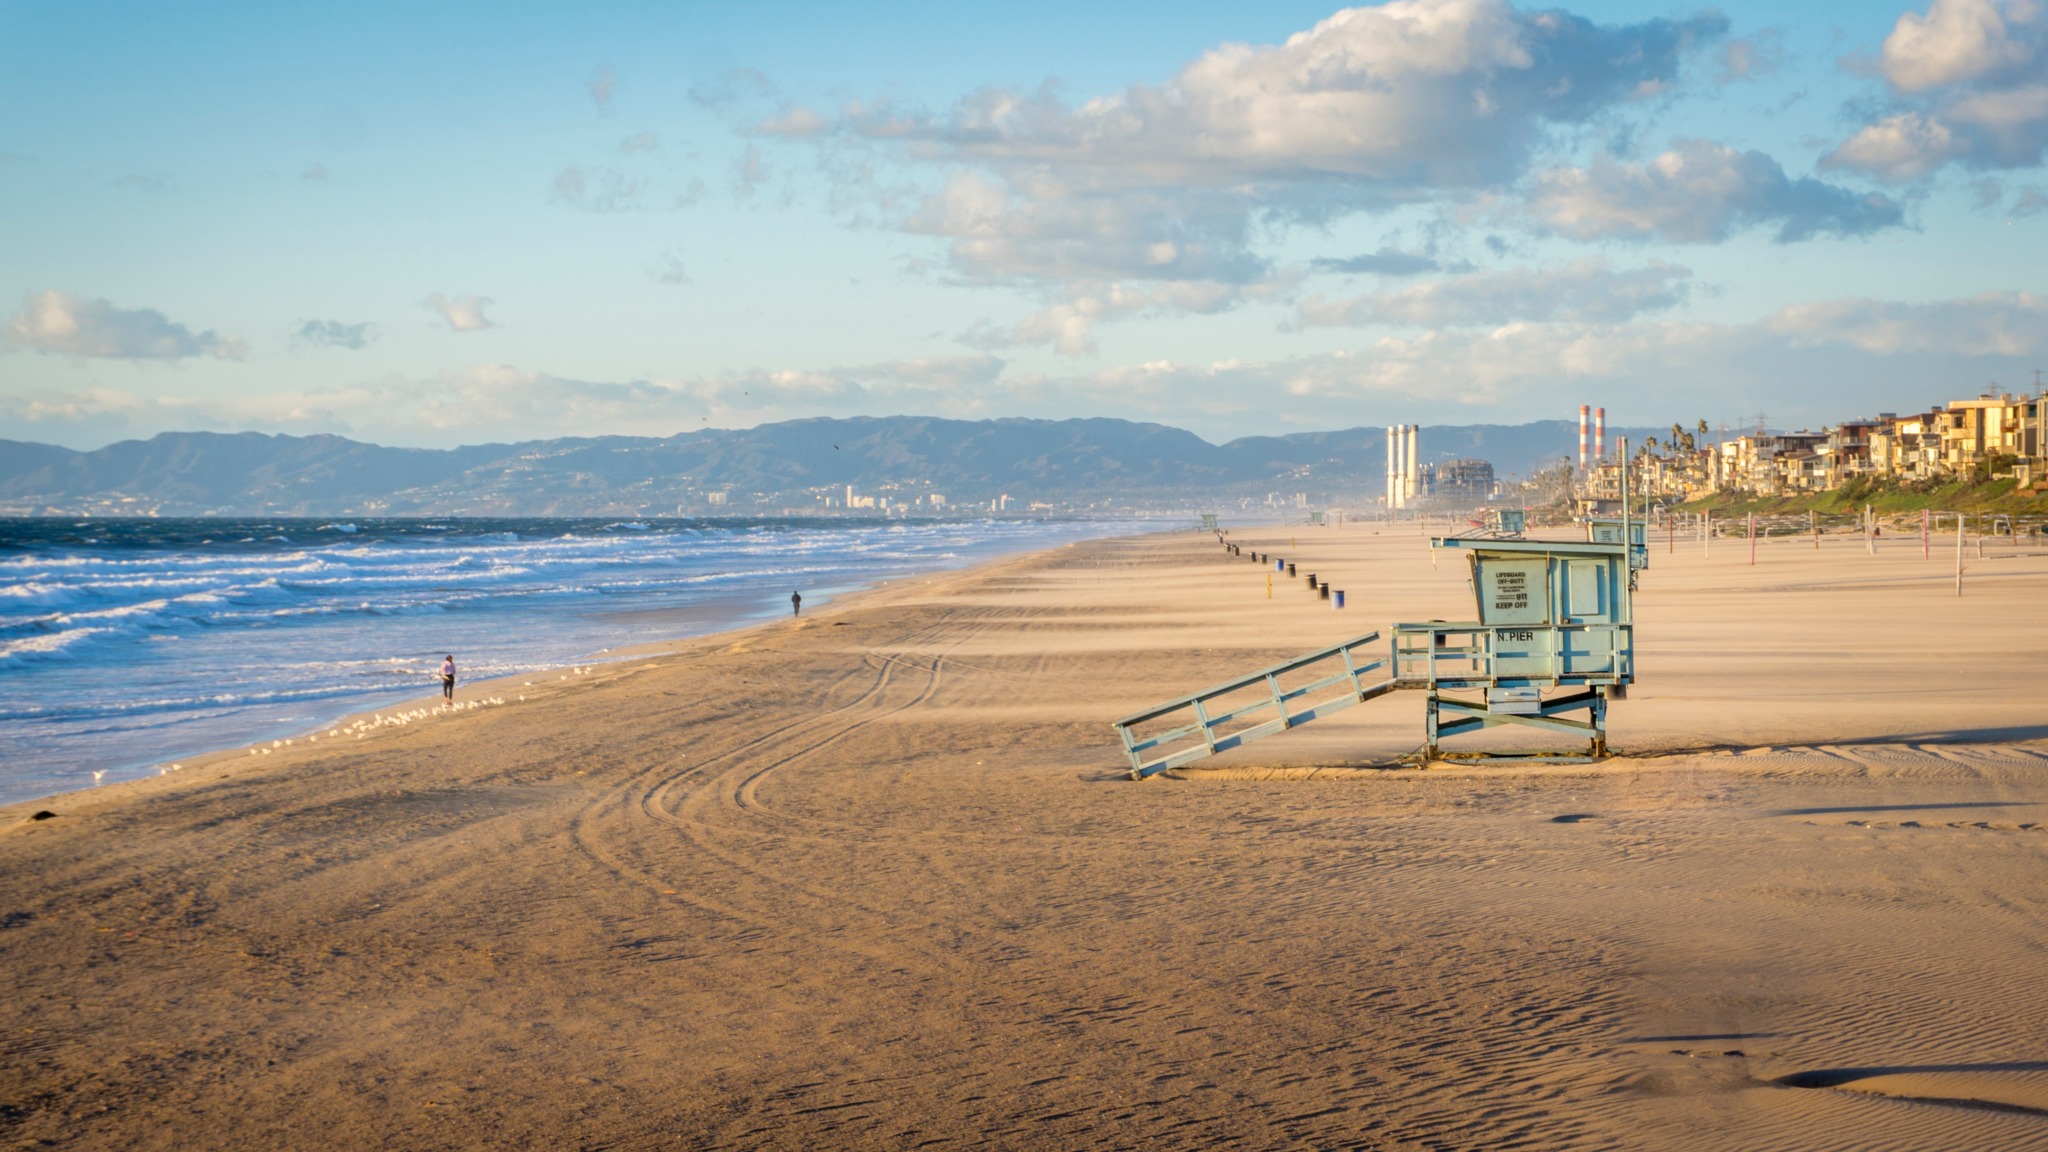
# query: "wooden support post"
{"type": "Point", "coordinates": [1923, 534]}
{"type": "Point", "coordinates": [1813, 518]}
{"type": "Point", "coordinates": [1870, 530]}
{"type": "Point", "coordinates": [1752, 538]}
{"type": "Point", "coordinates": [1960, 521]}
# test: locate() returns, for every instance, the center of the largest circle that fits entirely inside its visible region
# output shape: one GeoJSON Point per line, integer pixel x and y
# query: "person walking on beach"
{"type": "Point", "coordinates": [796, 603]}
{"type": "Point", "coordinates": [448, 678]}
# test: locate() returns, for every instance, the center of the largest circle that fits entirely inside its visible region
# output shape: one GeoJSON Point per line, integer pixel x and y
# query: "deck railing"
{"type": "Point", "coordinates": [1438, 655]}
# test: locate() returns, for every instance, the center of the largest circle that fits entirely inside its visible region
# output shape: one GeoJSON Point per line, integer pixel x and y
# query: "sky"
{"type": "Point", "coordinates": [446, 224]}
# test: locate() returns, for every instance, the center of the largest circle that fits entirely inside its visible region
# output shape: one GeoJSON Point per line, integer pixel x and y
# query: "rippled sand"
{"type": "Point", "coordinates": [875, 879]}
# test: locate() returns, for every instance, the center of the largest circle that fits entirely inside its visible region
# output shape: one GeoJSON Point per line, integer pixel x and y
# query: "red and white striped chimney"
{"type": "Point", "coordinates": [1584, 412]}
{"type": "Point", "coordinates": [1600, 433]}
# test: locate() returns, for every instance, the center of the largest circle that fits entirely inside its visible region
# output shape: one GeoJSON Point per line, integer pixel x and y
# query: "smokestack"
{"type": "Point", "coordinates": [1585, 418]}
{"type": "Point", "coordinates": [1600, 433]}
{"type": "Point", "coordinates": [1393, 463]}
{"type": "Point", "coordinates": [1400, 465]}
{"type": "Point", "coordinates": [1414, 457]}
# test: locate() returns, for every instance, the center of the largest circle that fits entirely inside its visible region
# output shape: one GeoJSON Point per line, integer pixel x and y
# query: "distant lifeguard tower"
{"type": "Point", "coordinates": [1610, 530]}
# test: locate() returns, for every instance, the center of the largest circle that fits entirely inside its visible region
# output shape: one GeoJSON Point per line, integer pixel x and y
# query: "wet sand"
{"type": "Point", "coordinates": [875, 878]}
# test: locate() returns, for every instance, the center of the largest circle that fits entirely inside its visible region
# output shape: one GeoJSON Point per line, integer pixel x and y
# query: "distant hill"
{"type": "Point", "coordinates": [795, 464]}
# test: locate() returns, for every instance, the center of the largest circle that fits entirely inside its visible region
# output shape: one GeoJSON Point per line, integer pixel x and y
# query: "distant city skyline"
{"type": "Point", "coordinates": [475, 224]}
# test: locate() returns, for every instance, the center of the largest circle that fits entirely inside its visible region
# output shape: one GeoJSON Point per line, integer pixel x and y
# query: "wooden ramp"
{"type": "Point", "coordinates": [1259, 704]}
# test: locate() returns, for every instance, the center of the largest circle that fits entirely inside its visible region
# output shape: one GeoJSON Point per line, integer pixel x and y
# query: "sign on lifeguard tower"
{"type": "Point", "coordinates": [1555, 636]}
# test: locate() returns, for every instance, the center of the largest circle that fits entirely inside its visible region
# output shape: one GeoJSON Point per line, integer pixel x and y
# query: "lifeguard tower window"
{"type": "Point", "coordinates": [1586, 593]}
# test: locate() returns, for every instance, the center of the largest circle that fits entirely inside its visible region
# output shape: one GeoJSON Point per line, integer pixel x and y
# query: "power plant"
{"type": "Point", "coordinates": [1404, 464]}
{"type": "Point", "coordinates": [1599, 436]}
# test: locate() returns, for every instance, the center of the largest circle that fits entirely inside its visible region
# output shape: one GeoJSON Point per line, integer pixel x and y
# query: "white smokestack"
{"type": "Point", "coordinates": [1393, 464]}
{"type": "Point", "coordinates": [1585, 422]}
{"type": "Point", "coordinates": [1400, 465]}
{"type": "Point", "coordinates": [1414, 458]}
{"type": "Point", "coordinates": [1600, 433]}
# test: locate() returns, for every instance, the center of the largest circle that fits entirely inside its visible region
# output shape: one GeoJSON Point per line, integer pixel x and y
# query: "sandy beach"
{"type": "Point", "coordinates": [876, 878]}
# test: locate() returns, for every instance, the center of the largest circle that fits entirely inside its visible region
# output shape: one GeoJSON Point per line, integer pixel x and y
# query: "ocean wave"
{"type": "Point", "coordinates": [45, 645]}
{"type": "Point", "coordinates": [280, 634]}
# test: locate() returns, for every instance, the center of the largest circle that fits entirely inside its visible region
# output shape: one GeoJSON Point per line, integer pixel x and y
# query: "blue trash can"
{"type": "Point", "coordinates": [1337, 600]}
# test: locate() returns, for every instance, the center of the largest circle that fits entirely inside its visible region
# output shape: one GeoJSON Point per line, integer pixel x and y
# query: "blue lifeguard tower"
{"type": "Point", "coordinates": [1554, 638]}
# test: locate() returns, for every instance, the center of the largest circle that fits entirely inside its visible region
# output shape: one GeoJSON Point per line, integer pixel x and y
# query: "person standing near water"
{"type": "Point", "coordinates": [448, 678]}
{"type": "Point", "coordinates": [796, 603]}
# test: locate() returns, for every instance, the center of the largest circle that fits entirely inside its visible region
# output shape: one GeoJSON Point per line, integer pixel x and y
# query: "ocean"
{"type": "Point", "coordinates": [126, 644]}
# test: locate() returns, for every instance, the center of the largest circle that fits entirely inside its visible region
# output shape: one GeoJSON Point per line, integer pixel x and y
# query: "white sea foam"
{"type": "Point", "coordinates": [284, 626]}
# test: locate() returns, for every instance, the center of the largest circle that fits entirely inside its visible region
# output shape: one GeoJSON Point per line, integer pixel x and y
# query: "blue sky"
{"type": "Point", "coordinates": [488, 223]}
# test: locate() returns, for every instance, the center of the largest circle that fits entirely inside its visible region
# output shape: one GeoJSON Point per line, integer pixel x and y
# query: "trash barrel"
{"type": "Point", "coordinates": [1337, 600]}
{"type": "Point", "coordinates": [1290, 569]}
{"type": "Point", "coordinates": [1324, 590]}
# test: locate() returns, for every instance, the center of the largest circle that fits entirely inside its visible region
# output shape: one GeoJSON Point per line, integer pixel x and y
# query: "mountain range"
{"type": "Point", "coordinates": [798, 465]}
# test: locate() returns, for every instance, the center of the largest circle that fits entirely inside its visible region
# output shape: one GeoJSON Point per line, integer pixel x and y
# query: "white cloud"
{"type": "Point", "coordinates": [1431, 93]}
{"type": "Point", "coordinates": [463, 313]}
{"type": "Point", "coordinates": [1905, 146]}
{"type": "Point", "coordinates": [315, 171]}
{"type": "Point", "coordinates": [999, 230]}
{"type": "Point", "coordinates": [1812, 363]}
{"type": "Point", "coordinates": [648, 141]}
{"type": "Point", "coordinates": [1957, 41]}
{"type": "Point", "coordinates": [1407, 101]}
{"type": "Point", "coordinates": [335, 334]}
{"type": "Point", "coordinates": [60, 323]}
{"type": "Point", "coordinates": [1587, 291]}
{"type": "Point", "coordinates": [1069, 326]}
{"type": "Point", "coordinates": [1989, 324]}
{"type": "Point", "coordinates": [601, 85]}
{"type": "Point", "coordinates": [1967, 78]}
{"type": "Point", "coordinates": [1700, 192]}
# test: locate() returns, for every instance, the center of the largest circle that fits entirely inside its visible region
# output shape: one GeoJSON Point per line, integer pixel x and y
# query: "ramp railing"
{"type": "Point", "coordinates": [1239, 711]}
